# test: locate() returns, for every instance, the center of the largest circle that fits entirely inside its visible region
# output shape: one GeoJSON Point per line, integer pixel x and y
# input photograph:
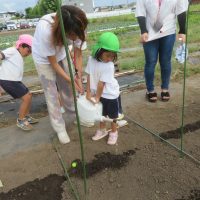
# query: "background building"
{"type": "Point", "coordinates": [90, 6]}
{"type": "Point", "coordinates": [6, 16]}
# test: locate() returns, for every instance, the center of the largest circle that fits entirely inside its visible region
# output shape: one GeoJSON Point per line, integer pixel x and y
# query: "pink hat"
{"type": "Point", "coordinates": [24, 39]}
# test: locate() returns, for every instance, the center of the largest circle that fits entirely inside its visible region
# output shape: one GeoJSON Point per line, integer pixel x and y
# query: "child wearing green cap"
{"type": "Point", "coordinates": [101, 83]}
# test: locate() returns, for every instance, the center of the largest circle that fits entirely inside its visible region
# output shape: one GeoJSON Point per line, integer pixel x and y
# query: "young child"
{"type": "Point", "coordinates": [101, 84]}
{"type": "Point", "coordinates": [11, 73]}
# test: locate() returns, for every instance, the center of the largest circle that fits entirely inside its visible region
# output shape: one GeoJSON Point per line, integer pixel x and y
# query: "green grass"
{"type": "Point", "coordinates": [133, 58]}
{"type": "Point", "coordinates": [29, 67]}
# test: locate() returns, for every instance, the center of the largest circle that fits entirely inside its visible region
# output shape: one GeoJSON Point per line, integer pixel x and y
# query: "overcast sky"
{"type": "Point", "coordinates": [20, 5]}
{"type": "Point", "coordinates": [16, 5]}
{"type": "Point", "coordinates": [112, 2]}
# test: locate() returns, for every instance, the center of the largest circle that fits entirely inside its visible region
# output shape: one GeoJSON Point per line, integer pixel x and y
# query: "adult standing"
{"type": "Point", "coordinates": [157, 21]}
{"type": "Point", "coordinates": [50, 60]}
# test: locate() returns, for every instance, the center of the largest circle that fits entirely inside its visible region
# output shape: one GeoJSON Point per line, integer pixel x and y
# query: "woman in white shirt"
{"type": "Point", "coordinates": [157, 21]}
{"type": "Point", "coordinates": [50, 60]}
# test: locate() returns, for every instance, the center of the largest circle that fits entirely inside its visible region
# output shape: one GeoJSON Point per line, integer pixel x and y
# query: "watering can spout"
{"type": "Point", "coordinates": [103, 119]}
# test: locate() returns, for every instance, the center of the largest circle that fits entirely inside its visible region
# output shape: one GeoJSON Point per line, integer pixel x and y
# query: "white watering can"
{"type": "Point", "coordinates": [90, 113]}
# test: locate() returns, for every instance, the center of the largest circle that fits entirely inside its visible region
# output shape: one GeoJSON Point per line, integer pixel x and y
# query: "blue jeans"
{"type": "Point", "coordinates": [163, 48]}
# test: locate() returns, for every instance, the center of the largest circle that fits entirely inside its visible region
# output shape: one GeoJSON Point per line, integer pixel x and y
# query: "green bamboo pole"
{"type": "Point", "coordinates": [76, 195]}
{"type": "Point", "coordinates": [167, 142]}
{"type": "Point", "coordinates": [184, 81]}
{"type": "Point", "coordinates": [74, 92]}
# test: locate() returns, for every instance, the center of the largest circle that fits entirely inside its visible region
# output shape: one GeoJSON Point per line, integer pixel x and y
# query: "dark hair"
{"type": "Point", "coordinates": [25, 45]}
{"type": "Point", "coordinates": [74, 20]}
{"type": "Point", "coordinates": [99, 53]}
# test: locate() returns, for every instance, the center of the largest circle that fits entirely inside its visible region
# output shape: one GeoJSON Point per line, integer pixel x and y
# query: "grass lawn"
{"type": "Point", "coordinates": [131, 56]}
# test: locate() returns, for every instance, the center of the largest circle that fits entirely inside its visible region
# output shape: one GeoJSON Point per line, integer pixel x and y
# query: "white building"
{"type": "Point", "coordinates": [89, 6]}
{"type": "Point", "coordinates": [6, 16]}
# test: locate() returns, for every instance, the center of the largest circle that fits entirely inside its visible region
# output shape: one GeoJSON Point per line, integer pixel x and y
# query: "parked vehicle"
{"type": "Point", "coordinates": [18, 25]}
{"type": "Point", "coordinates": [133, 9]}
{"type": "Point", "coordinates": [11, 26]}
{"type": "Point", "coordinates": [2, 26]}
{"type": "Point", "coordinates": [24, 24]}
{"type": "Point", "coordinates": [30, 23]}
{"type": "Point", "coordinates": [35, 21]}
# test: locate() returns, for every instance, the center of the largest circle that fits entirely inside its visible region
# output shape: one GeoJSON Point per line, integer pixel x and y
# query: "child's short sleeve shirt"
{"type": "Point", "coordinates": [12, 66]}
{"type": "Point", "coordinates": [104, 72]}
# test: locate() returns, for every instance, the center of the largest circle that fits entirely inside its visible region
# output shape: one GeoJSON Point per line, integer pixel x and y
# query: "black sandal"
{"type": "Point", "coordinates": [152, 97]}
{"type": "Point", "coordinates": [165, 96]}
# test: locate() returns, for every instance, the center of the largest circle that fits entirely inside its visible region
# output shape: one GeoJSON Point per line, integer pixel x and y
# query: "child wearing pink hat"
{"type": "Point", "coordinates": [11, 73]}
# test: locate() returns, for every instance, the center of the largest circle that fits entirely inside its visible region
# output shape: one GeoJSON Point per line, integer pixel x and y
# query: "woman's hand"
{"type": "Point", "coordinates": [58, 69]}
{"type": "Point", "coordinates": [181, 37]}
{"type": "Point", "coordinates": [91, 98]}
{"type": "Point", "coordinates": [144, 37]}
{"type": "Point", "coordinates": [94, 100]}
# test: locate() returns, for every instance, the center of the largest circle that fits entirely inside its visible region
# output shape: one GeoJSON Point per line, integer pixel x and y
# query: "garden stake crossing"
{"type": "Point", "coordinates": [74, 92]}
{"type": "Point", "coordinates": [180, 150]}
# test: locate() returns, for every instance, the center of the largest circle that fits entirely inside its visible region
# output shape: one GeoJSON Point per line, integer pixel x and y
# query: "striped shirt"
{"type": "Point", "coordinates": [160, 15]}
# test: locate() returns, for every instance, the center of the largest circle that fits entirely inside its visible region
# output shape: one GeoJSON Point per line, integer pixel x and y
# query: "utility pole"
{"type": "Point", "coordinates": [127, 3]}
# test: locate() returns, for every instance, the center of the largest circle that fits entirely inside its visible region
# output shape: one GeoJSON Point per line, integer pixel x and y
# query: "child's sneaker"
{"type": "Point", "coordinates": [120, 116]}
{"type": "Point", "coordinates": [99, 134]}
{"type": "Point", "coordinates": [31, 120]}
{"type": "Point", "coordinates": [63, 137]}
{"type": "Point", "coordinates": [24, 124]}
{"type": "Point", "coordinates": [112, 138]}
{"type": "Point", "coordinates": [122, 123]}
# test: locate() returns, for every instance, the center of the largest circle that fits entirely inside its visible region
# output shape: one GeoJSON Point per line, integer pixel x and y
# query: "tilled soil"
{"type": "Point", "coordinates": [139, 167]}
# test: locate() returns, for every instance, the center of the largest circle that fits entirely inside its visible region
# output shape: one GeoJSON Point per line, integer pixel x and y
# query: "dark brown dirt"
{"type": "Point", "coordinates": [176, 134]}
{"type": "Point", "coordinates": [102, 161]}
{"type": "Point", "coordinates": [48, 188]}
{"type": "Point", "coordinates": [194, 195]}
{"type": "Point", "coordinates": [139, 167]}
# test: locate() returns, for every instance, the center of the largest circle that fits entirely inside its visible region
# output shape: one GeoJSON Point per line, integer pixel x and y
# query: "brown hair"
{"type": "Point", "coordinates": [74, 20]}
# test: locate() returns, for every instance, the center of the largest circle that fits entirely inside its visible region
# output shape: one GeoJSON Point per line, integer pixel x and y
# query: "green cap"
{"type": "Point", "coordinates": [107, 41]}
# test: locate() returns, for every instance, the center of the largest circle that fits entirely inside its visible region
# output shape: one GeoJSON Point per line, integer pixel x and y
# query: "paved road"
{"type": "Point", "coordinates": [12, 139]}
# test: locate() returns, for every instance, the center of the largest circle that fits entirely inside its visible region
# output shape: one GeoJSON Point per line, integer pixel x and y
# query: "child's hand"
{"type": "Point", "coordinates": [94, 100]}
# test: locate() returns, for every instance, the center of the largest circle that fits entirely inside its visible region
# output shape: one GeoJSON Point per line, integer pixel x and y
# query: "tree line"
{"type": "Point", "coordinates": [41, 8]}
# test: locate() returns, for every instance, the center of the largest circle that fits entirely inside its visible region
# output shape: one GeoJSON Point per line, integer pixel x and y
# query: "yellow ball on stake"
{"type": "Point", "coordinates": [74, 164]}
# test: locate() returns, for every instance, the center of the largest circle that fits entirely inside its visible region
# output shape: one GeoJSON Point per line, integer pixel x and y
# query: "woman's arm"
{"type": "Point", "coordinates": [182, 24]}
{"type": "Point", "coordinates": [78, 62]}
{"type": "Point", "coordinates": [61, 72]}
{"type": "Point", "coordinates": [58, 68]}
{"type": "Point", "coordinates": [143, 28]}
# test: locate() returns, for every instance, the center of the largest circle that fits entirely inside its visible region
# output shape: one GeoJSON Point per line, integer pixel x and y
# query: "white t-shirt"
{"type": "Point", "coordinates": [12, 66]}
{"type": "Point", "coordinates": [42, 46]}
{"type": "Point", "coordinates": [104, 72]}
{"type": "Point", "coordinates": [160, 21]}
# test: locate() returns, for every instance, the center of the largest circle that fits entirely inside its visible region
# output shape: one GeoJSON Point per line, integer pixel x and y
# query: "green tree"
{"type": "Point", "coordinates": [43, 7]}
{"type": "Point", "coordinates": [48, 6]}
{"type": "Point", "coordinates": [28, 12]}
